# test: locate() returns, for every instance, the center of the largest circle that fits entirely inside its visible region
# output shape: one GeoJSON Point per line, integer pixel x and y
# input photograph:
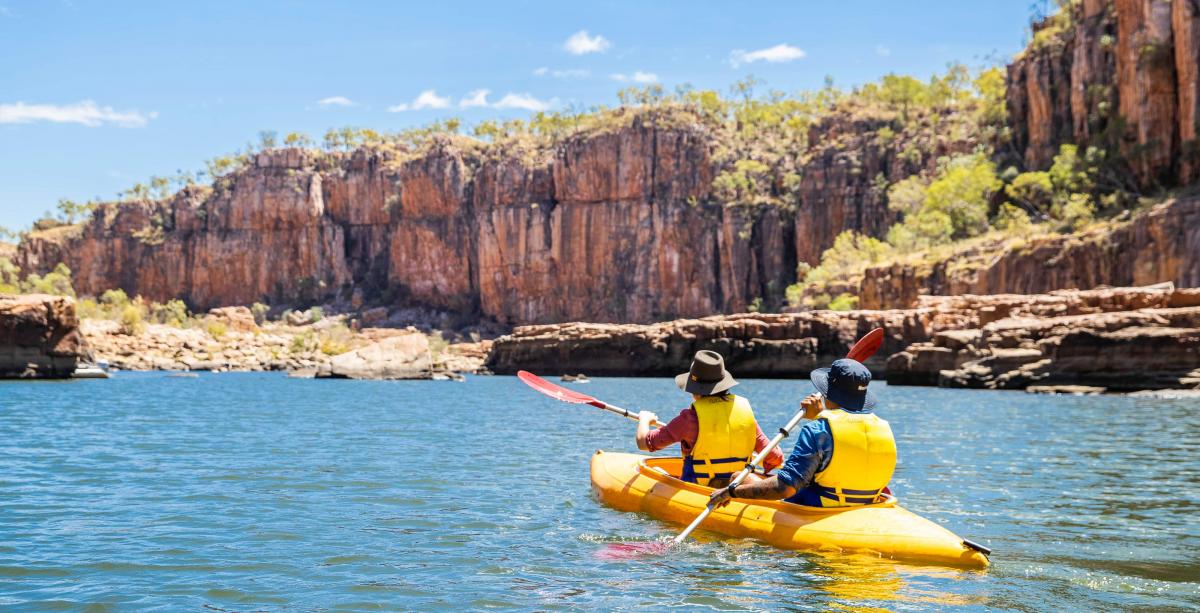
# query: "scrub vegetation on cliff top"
{"type": "Point", "coordinates": [760, 136]}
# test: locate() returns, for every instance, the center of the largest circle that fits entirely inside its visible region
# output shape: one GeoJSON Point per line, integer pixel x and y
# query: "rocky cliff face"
{"type": "Point", "coordinates": [1159, 245]}
{"type": "Point", "coordinates": [621, 224]}
{"type": "Point", "coordinates": [613, 226]}
{"type": "Point", "coordinates": [39, 337]}
{"type": "Point", "coordinates": [1121, 73]}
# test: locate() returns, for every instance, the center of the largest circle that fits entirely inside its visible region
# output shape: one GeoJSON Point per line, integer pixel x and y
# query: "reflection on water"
{"type": "Point", "coordinates": [253, 491]}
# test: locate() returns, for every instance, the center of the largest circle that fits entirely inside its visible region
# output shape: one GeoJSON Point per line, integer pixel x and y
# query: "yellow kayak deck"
{"type": "Point", "coordinates": [637, 483]}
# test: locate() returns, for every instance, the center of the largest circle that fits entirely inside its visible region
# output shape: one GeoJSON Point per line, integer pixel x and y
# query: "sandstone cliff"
{"type": "Point", "coordinates": [1120, 73]}
{"type": "Point", "coordinates": [617, 225]}
{"type": "Point", "coordinates": [39, 337]}
{"type": "Point", "coordinates": [623, 223]}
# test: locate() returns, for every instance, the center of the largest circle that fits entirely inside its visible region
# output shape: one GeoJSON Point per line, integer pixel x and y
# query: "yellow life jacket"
{"type": "Point", "coordinates": [724, 440]}
{"type": "Point", "coordinates": [864, 458]}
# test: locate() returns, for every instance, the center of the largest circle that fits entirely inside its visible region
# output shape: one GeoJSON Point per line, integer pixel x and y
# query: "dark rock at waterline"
{"type": "Point", "coordinates": [1116, 338]}
{"type": "Point", "coordinates": [39, 337]}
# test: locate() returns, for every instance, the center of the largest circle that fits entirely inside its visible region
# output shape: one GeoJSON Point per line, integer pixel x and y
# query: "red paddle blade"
{"type": "Point", "coordinates": [632, 551]}
{"type": "Point", "coordinates": [556, 392]}
{"type": "Point", "coordinates": [866, 346]}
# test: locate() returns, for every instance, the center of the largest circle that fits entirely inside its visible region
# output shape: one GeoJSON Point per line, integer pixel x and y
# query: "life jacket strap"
{"type": "Point", "coordinates": [847, 496]}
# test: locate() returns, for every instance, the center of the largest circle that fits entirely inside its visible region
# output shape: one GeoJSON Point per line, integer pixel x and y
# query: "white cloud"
{"type": "Point", "coordinates": [85, 112]}
{"type": "Point", "coordinates": [637, 77]}
{"type": "Point", "coordinates": [580, 43]}
{"type": "Point", "coordinates": [427, 99]}
{"type": "Point", "coordinates": [569, 73]}
{"type": "Point", "coordinates": [477, 97]}
{"type": "Point", "coordinates": [883, 51]}
{"type": "Point", "coordinates": [777, 54]}
{"type": "Point", "coordinates": [522, 101]}
{"type": "Point", "coordinates": [336, 101]}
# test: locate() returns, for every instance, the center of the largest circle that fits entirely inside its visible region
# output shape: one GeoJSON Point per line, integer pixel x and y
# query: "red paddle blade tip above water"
{"type": "Point", "coordinates": [556, 392]}
{"type": "Point", "coordinates": [866, 346]}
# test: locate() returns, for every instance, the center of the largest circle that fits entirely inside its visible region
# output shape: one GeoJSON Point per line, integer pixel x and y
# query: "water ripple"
{"type": "Point", "coordinates": [239, 492]}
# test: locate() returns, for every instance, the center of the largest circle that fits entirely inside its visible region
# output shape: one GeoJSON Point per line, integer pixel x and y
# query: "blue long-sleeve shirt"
{"type": "Point", "coordinates": [811, 455]}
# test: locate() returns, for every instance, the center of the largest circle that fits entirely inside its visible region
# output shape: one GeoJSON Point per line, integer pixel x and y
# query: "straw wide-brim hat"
{"type": "Point", "coordinates": [707, 375]}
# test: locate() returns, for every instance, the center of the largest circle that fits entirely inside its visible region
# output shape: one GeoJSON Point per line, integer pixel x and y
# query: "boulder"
{"type": "Point", "coordinates": [234, 317]}
{"type": "Point", "coordinates": [398, 357]}
{"type": "Point", "coordinates": [39, 337]}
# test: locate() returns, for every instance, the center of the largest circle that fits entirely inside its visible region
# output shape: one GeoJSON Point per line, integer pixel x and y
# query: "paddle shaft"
{"type": "Point", "coordinates": [600, 404]}
{"type": "Point", "coordinates": [784, 432]}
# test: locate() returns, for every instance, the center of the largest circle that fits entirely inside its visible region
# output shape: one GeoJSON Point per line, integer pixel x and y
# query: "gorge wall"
{"type": "Point", "coordinates": [1120, 73]}
{"type": "Point", "coordinates": [610, 226]}
{"type": "Point", "coordinates": [622, 225]}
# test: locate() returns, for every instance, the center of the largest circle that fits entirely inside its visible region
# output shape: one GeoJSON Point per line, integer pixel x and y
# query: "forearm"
{"type": "Point", "coordinates": [643, 432]}
{"type": "Point", "coordinates": [770, 488]}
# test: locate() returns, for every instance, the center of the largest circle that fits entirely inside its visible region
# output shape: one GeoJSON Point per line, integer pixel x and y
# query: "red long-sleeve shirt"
{"type": "Point", "coordinates": [686, 426]}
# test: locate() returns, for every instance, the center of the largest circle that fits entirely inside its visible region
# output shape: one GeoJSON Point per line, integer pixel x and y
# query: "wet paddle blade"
{"type": "Point", "coordinates": [633, 551]}
{"type": "Point", "coordinates": [866, 346]}
{"type": "Point", "coordinates": [556, 392]}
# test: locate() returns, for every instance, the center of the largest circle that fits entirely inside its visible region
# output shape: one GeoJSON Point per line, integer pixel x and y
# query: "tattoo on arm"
{"type": "Point", "coordinates": [768, 489]}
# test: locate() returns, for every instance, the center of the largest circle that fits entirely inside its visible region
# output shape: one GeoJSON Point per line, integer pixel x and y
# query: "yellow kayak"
{"type": "Point", "coordinates": [630, 482]}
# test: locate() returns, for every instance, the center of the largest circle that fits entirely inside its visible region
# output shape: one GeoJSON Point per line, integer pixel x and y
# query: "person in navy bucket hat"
{"type": "Point", "coordinates": [846, 383]}
{"type": "Point", "coordinates": [844, 457]}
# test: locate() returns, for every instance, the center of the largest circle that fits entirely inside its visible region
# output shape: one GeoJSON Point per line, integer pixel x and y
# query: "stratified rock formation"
{"type": "Point", "coordinates": [39, 337]}
{"type": "Point", "coordinates": [1113, 339]}
{"type": "Point", "coordinates": [1159, 245]}
{"type": "Point", "coordinates": [618, 225]}
{"type": "Point", "coordinates": [1119, 339]}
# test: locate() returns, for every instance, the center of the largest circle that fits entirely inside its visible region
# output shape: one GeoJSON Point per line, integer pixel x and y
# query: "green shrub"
{"type": "Point", "coordinates": [316, 314]}
{"type": "Point", "coordinates": [216, 329]}
{"type": "Point", "coordinates": [115, 299]}
{"type": "Point", "coordinates": [1013, 220]}
{"type": "Point", "coordinates": [335, 340]}
{"type": "Point", "coordinates": [844, 302]}
{"type": "Point", "coordinates": [259, 311]}
{"type": "Point", "coordinates": [1077, 212]}
{"type": "Point", "coordinates": [173, 313]}
{"type": "Point", "coordinates": [300, 342]}
{"type": "Point", "coordinates": [132, 322]}
{"type": "Point", "coordinates": [10, 277]}
{"type": "Point", "coordinates": [86, 308]}
{"type": "Point", "coordinates": [57, 282]}
{"type": "Point", "coordinates": [961, 191]}
{"type": "Point", "coordinates": [1033, 189]}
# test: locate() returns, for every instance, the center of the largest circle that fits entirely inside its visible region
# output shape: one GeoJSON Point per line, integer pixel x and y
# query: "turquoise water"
{"type": "Point", "coordinates": [257, 492]}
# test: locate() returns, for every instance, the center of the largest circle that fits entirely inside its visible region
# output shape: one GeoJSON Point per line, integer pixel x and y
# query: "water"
{"type": "Point", "coordinates": [258, 492]}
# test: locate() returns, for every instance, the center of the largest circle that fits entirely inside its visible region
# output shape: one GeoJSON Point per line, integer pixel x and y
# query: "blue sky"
{"type": "Point", "coordinates": [95, 96]}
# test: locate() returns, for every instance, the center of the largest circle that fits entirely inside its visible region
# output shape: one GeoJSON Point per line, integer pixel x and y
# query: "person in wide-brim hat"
{"type": "Point", "coordinates": [707, 375]}
{"type": "Point", "coordinates": [717, 434]}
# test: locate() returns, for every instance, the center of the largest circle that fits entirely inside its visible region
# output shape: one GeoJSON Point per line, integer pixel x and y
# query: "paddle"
{"type": "Point", "coordinates": [863, 349]}
{"type": "Point", "coordinates": [559, 392]}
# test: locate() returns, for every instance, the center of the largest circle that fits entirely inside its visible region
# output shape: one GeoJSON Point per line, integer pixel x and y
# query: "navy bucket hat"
{"type": "Point", "coordinates": [845, 382]}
